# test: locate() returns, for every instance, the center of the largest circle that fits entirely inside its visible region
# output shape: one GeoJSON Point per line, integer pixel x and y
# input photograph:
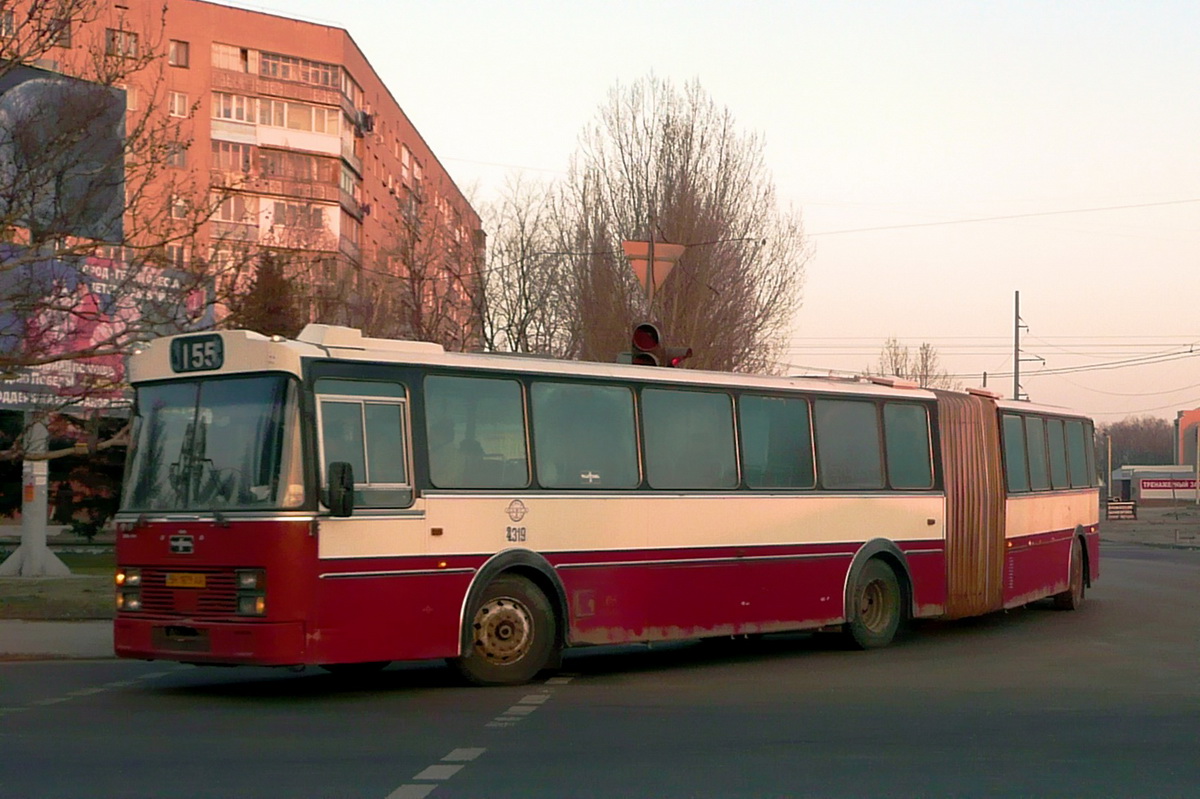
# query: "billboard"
{"type": "Point", "coordinates": [62, 164]}
{"type": "Point", "coordinates": [53, 309]}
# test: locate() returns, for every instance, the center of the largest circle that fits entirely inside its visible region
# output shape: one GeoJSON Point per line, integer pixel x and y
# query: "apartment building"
{"type": "Point", "coordinates": [295, 141]}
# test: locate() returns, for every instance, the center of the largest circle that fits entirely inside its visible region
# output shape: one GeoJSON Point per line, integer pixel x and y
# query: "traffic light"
{"type": "Point", "coordinates": [647, 345]}
{"type": "Point", "coordinates": [648, 349]}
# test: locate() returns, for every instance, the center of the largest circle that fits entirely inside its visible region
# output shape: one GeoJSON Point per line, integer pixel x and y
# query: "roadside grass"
{"type": "Point", "coordinates": [86, 594]}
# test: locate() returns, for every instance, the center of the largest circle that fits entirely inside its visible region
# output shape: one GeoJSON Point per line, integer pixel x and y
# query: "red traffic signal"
{"type": "Point", "coordinates": [647, 345]}
{"type": "Point", "coordinates": [648, 349]}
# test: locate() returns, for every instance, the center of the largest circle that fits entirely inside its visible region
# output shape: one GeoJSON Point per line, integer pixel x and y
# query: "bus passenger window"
{"type": "Point", "coordinates": [906, 436]}
{"type": "Point", "coordinates": [689, 439]}
{"type": "Point", "coordinates": [476, 432]}
{"type": "Point", "coordinates": [584, 436]}
{"type": "Point", "coordinates": [848, 451]}
{"type": "Point", "coordinates": [1077, 454]}
{"type": "Point", "coordinates": [1035, 440]}
{"type": "Point", "coordinates": [1015, 467]}
{"type": "Point", "coordinates": [776, 442]}
{"type": "Point", "coordinates": [1055, 438]}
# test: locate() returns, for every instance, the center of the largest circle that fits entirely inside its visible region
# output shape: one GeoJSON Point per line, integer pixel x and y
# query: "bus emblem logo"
{"type": "Point", "coordinates": [516, 510]}
{"type": "Point", "coordinates": [182, 545]}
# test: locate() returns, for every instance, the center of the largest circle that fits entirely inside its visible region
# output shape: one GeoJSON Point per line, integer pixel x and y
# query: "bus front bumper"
{"type": "Point", "coordinates": [217, 643]}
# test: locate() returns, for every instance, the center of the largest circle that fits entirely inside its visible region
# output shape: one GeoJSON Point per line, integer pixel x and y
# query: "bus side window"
{"type": "Point", "coordinates": [1016, 468]}
{"type": "Point", "coordinates": [1056, 439]}
{"type": "Point", "coordinates": [689, 439]}
{"type": "Point", "coordinates": [848, 448]}
{"type": "Point", "coordinates": [365, 425]}
{"type": "Point", "coordinates": [475, 428]}
{"type": "Point", "coordinates": [776, 442]}
{"type": "Point", "coordinates": [906, 437]}
{"type": "Point", "coordinates": [584, 436]}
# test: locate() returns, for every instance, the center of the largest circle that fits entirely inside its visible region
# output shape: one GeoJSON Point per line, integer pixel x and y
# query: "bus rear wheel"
{"type": "Point", "coordinates": [875, 607]}
{"type": "Point", "coordinates": [1072, 598]}
{"type": "Point", "coordinates": [513, 634]}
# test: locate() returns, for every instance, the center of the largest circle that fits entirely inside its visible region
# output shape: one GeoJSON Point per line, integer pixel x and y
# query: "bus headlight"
{"type": "Point", "coordinates": [129, 577]}
{"type": "Point", "coordinates": [251, 592]}
{"type": "Point", "coordinates": [251, 605]}
{"type": "Point", "coordinates": [129, 583]}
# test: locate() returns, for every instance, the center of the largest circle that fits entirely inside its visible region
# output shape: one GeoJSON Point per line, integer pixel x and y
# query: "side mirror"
{"type": "Point", "coordinates": [341, 488]}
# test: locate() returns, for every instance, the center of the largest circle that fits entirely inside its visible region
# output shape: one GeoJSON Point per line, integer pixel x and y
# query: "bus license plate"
{"type": "Point", "coordinates": [185, 580]}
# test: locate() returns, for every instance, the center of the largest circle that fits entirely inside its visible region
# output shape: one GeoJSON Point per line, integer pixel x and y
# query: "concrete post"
{"type": "Point", "coordinates": [33, 558]}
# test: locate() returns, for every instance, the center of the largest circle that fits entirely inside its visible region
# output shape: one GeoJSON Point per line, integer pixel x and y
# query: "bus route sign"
{"type": "Point", "coordinates": [197, 353]}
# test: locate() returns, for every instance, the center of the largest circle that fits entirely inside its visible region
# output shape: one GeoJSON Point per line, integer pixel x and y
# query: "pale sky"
{"type": "Point", "coordinates": [881, 119]}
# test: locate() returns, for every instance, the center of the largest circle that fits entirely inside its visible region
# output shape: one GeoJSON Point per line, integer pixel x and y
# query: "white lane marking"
{"type": "Point", "coordinates": [411, 792]}
{"type": "Point", "coordinates": [534, 699]}
{"type": "Point", "coordinates": [438, 772]}
{"type": "Point", "coordinates": [520, 710]}
{"type": "Point", "coordinates": [464, 755]}
{"type": "Point", "coordinates": [52, 701]}
{"type": "Point", "coordinates": [559, 680]}
{"type": "Point", "coordinates": [87, 691]}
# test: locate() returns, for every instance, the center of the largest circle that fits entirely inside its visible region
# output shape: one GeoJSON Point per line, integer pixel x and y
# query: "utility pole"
{"type": "Point", "coordinates": [1016, 345]}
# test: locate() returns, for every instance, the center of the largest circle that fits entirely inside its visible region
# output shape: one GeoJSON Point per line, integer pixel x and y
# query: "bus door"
{"type": "Point", "coordinates": [366, 424]}
{"type": "Point", "coordinates": [974, 480]}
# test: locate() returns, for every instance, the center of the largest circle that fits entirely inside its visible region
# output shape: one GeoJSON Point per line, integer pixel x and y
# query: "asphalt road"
{"type": "Point", "coordinates": [1036, 702]}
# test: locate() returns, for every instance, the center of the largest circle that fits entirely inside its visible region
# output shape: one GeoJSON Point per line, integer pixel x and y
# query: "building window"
{"type": "Point", "coordinates": [120, 43]}
{"type": "Point", "coordinates": [239, 208]}
{"type": "Point", "coordinates": [131, 96]}
{"type": "Point", "coordinates": [176, 155]}
{"type": "Point", "coordinates": [58, 32]}
{"type": "Point", "coordinates": [226, 56]}
{"type": "Point", "coordinates": [299, 215]}
{"type": "Point", "coordinates": [231, 156]}
{"type": "Point", "coordinates": [176, 256]}
{"type": "Point", "coordinates": [301, 70]}
{"type": "Point", "coordinates": [177, 53]}
{"type": "Point", "coordinates": [298, 116]}
{"type": "Point", "coordinates": [179, 208]}
{"type": "Point", "coordinates": [177, 104]}
{"type": "Point", "coordinates": [8, 23]}
{"type": "Point", "coordinates": [232, 106]}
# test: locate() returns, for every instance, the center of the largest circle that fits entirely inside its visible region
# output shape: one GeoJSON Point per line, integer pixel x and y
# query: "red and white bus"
{"type": "Point", "coordinates": [347, 501]}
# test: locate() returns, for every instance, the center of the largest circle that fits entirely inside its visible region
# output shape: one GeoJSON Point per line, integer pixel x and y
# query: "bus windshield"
{"type": "Point", "coordinates": [215, 444]}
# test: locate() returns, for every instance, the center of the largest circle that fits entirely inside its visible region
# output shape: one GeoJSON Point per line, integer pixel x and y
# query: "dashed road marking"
{"type": "Point", "coordinates": [438, 772]}
{"type": "Point", "coordinates": [463, 755]}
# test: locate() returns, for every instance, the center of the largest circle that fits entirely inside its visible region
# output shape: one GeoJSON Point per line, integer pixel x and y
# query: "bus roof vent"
{"type": "Point", "coordinates": [352, 338]}
{"type": "Point", "coordinates": [892, 382]}
{"type": "Point", "coordinates": [983, 392]}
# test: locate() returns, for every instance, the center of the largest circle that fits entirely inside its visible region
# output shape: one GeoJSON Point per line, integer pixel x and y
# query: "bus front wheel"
{"type": "Point", "coordinates": [512, 634]}
{"type": "Point", "coordinates": [875, 607]}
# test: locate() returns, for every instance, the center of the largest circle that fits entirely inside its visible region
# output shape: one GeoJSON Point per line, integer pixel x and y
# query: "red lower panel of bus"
{"type": "Point", "coordinates": [1037, 566]}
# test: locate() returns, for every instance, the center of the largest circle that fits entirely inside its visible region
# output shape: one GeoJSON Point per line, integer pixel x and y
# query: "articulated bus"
{"type": "Point", "coordinates": [344, 501]}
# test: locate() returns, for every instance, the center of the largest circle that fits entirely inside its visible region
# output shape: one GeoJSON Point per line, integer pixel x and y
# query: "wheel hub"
{"type": "Point", "coordinates": [503, 630]}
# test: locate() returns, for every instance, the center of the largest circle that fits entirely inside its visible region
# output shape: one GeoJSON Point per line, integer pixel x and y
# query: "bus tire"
{"type": "Point", "coordinates": [512, 632]}
{"type": "Point", "coordinates": [1072, 598]}
{"type": "Point", "coordinates": [875, 610]}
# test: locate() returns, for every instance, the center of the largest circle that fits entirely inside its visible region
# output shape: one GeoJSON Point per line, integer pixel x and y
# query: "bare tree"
{"type": "Point", "coordinates": [423, 284]}
{"type": "Point", "coordinates": [923, 367]}
{"type": "Point", "coordinates": [525, 303]}
{"type": "Point", "coordinates": [1138, 440]}
{"type": "Point", "coordinates": [669, 163]}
